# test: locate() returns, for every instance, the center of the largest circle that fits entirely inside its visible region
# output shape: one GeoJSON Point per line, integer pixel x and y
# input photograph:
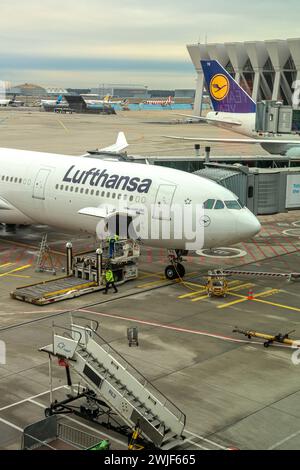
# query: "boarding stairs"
{"type": "Point", "coordinates": [122, 387]}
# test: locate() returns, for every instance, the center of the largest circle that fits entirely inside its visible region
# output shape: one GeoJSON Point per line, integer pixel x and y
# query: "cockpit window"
{"type": "Point", "coordinates": [240, 203]}
{"type": "Point", "coordinates": [209, 204]}
{"type": "Point", "coordinates": [219, 205]}
{"type": "Point", "coordinates": [233, 205]}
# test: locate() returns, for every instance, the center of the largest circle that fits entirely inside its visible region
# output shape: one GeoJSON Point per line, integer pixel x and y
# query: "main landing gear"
{"type": "Point", "coordinates": [175, 270]}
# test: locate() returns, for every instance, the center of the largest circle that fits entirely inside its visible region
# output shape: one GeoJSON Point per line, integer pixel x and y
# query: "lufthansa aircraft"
{"type": "Point", "coordinates": [235, 110]}
{"type": "Point", "coordinates": [79, 193]}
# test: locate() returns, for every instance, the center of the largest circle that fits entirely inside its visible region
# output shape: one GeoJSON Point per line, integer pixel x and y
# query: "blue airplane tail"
{"type": "Point", "coordinates": [226, 94]}
{"type": "Point", "coordinates": [59, 99]}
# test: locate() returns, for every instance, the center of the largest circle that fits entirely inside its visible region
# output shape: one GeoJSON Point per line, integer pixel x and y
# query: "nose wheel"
{"type": "Point", "coordinates": [175, 270]}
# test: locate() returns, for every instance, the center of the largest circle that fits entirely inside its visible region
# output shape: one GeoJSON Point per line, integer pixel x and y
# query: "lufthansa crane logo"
{"type": "Point", "coordinates": [219, 87]}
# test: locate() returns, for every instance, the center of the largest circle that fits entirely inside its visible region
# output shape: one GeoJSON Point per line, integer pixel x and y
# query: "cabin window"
{"type": "Point", "coordinates": [76, 190]}
{"type": "Point", "coordinates": [16, 180]}
{"type": "Point", "coordinates": [209, 204]}
{"type": "Point", "coordinates": [67, 188]}
{"type": "Point", "coordinates": [86, 191]}
{"type": "Point", "coordinates": [131, 198]}
{"type": "Point", "coordinates": [107, 194]}
{"type": "Point", "coordinates": [97, 193]}
{"type": "Point", "coordinates": [20, 180]}
{"type": "Point", "coordinates": [7, 178]}
{"type": "Point", "coordinates": [62, 187]}
{"type": "Point", "coordinates": [57, 186]}
{"type": "Point", "coordinates": [103, 194]}
{"type": "Point", "coordinates": [71, 189]}
{"type": "Point", "coordinates": [119, 196]}
{"type": "Point", "coordinates": [92, 192]}
{"type": "Point", "coordinates": [81, 191]}
{"type": "Point", "coordinates": [3, 178]}
{"type": "Point", "coordinates": [114, 195]}
{"type": "Point", "coordinates": [11, 179]}
{"type": "Point", "coordinates": [219, 205]}
{"type": "Point", "coordinates": [125, 197]}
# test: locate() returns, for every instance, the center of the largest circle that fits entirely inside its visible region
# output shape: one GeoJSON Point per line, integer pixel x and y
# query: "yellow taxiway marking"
{"type": "Point", "coordinates": [287, 307]}
{"type": "Point", "coordinates": [19, 276]}
{"type": "Point", "coordinates": [242, 286]}
{"type": "Point", "coordinates": [163, 281]}
{"type": "Point", "coordinates": [16, 270]}
{"type": "Point", "coordinates": [6, 265]}
{"type": "Point", "coordinates": [203, 288]}
{"type": "Point", "coordinates": [243, 298]}
{"type": "Point", "coordinates": [62, 125]}
{"type": "Point", "coordinates": [146, 274]}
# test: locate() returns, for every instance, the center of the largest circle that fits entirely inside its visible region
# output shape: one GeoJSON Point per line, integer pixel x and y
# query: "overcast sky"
{"type": "Point", "coordinates": [91, 42]}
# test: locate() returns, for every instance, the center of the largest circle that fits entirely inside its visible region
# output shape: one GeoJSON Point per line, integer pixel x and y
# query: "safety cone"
{"type": "Point", "coordinates": [250, 294]}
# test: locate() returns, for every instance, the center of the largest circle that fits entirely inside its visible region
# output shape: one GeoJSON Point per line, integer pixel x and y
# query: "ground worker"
{"type": "Point", "coordinates": [110, 280]}
{"type": "Point", "coordinates": [112, 241]}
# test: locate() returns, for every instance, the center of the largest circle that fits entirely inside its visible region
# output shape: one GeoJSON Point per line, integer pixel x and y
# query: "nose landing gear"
{"type": "Point", "coordinates": [175, 270]}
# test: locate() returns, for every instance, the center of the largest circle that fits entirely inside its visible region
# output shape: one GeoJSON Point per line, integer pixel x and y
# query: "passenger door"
{"type": "Point", "coordinates": [163, 201]}
{"type": "Point", "coordinates": [39, 187]}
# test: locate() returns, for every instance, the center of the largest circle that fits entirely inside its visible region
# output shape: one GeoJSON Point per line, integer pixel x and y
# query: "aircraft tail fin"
{"type": "Point", "coordinates": [59, 99]}
{"type": "Point", "coordinates": [226, 94]}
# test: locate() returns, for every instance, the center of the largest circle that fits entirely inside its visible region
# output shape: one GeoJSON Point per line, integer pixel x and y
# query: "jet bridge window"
{"type": "Point", "coordinates": [209, 204]}
{"type": "Point", "coordinates": [219, 205]}
{"type": "Point", "coordinates": [233, 205]}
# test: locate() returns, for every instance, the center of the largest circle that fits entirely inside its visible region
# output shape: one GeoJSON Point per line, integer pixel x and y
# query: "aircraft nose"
{"type": "Point", "coordinates": [248, 225]}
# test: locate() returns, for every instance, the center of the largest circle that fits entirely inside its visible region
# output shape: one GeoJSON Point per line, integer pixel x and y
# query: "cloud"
{"type": "Point", "coordinates": [131, 35]}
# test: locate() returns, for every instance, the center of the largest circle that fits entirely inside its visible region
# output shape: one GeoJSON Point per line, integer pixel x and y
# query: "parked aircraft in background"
{"type": "Point", "coordinates": [235, 110]}
{"type": "Point", "coordinates": [167, 102]}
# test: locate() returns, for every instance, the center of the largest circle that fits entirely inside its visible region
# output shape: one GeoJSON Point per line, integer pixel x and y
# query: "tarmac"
{"type": "Point", "coordinates": [235, 392]}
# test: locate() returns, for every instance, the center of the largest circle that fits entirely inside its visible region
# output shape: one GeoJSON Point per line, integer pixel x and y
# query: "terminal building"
{"type": "Point", "coordinates": [267, 70]}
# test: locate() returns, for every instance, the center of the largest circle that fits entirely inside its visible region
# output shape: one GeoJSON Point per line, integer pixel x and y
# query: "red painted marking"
{"type": "Point", "coordinates": [168, 327]}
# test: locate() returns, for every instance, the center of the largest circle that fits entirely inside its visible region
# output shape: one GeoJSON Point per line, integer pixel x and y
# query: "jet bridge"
{"type": "Point", "coordinates": [116, 384]}
{"type": "Point", "coordinates": [85, 274]}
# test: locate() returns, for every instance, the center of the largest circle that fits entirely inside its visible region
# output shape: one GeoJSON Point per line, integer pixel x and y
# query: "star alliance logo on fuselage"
{"type": "Point", "coordinates": [100, 178]}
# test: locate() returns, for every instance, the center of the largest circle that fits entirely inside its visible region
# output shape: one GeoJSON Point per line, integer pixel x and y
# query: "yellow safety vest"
{"type": "Point", "coordinates": [109, 276]}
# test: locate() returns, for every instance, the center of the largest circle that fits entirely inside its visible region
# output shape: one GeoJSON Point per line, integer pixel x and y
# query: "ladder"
{"type": "Point", "coordinates": [122, 387]}
{"type": "Point", "coordinates": [43, 256]}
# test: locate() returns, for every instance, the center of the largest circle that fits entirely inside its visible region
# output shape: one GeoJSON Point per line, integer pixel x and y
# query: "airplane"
{"type": "Point", "coordinates": [85, 194]}
{"type": "Point", "coordinates": [166, 102]}
{"type": "Point", "coordinates": [53, 103]}
{"type": "Point", "coordinates": [235, 110]}
{"type": "Point", "coordinates": [11, 102]}
{"type": "Point", "coordinates": [106, 100]}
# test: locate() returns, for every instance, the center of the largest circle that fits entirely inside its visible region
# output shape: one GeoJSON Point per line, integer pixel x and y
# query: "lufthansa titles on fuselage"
{"type": "Point", "coordinates": [101, 178]}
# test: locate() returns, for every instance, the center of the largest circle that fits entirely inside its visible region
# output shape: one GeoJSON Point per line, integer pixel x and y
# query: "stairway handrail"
{"type": "Point", "coordinates": [182, 416]}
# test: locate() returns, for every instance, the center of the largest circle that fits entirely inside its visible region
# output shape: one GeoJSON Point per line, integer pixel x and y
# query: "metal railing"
{"type": "Point", "coordinates": [165, 401]}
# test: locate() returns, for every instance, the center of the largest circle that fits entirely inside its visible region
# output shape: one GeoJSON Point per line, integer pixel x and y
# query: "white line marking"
{"type": "Point", "coordinates": [206, 440]}
{"type": "Point", "coordinates": [278, 444]}
{"type": "Point", "coordinates": [11, 425]}
{"type": "Point", "coordinates": [194, 444]}
{"type": "Point", "coordinates": [102, 434]}
{"type": "Point", "coordinates": [27, 399]}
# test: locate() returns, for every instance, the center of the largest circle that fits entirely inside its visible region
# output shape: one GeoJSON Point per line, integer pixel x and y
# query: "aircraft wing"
{"type": "Point", "coordinates": [236, 141]}
{"type": "Point", "coordinates": [105, 212]}
{"type": "Point", "coordinates": [121, 144]}
{"type": "Point", "coordinates": [206, 119]}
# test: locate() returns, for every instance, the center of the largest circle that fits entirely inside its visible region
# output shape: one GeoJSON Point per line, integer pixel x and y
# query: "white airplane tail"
{"type": "Point", "coordinates": [120, 145]}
